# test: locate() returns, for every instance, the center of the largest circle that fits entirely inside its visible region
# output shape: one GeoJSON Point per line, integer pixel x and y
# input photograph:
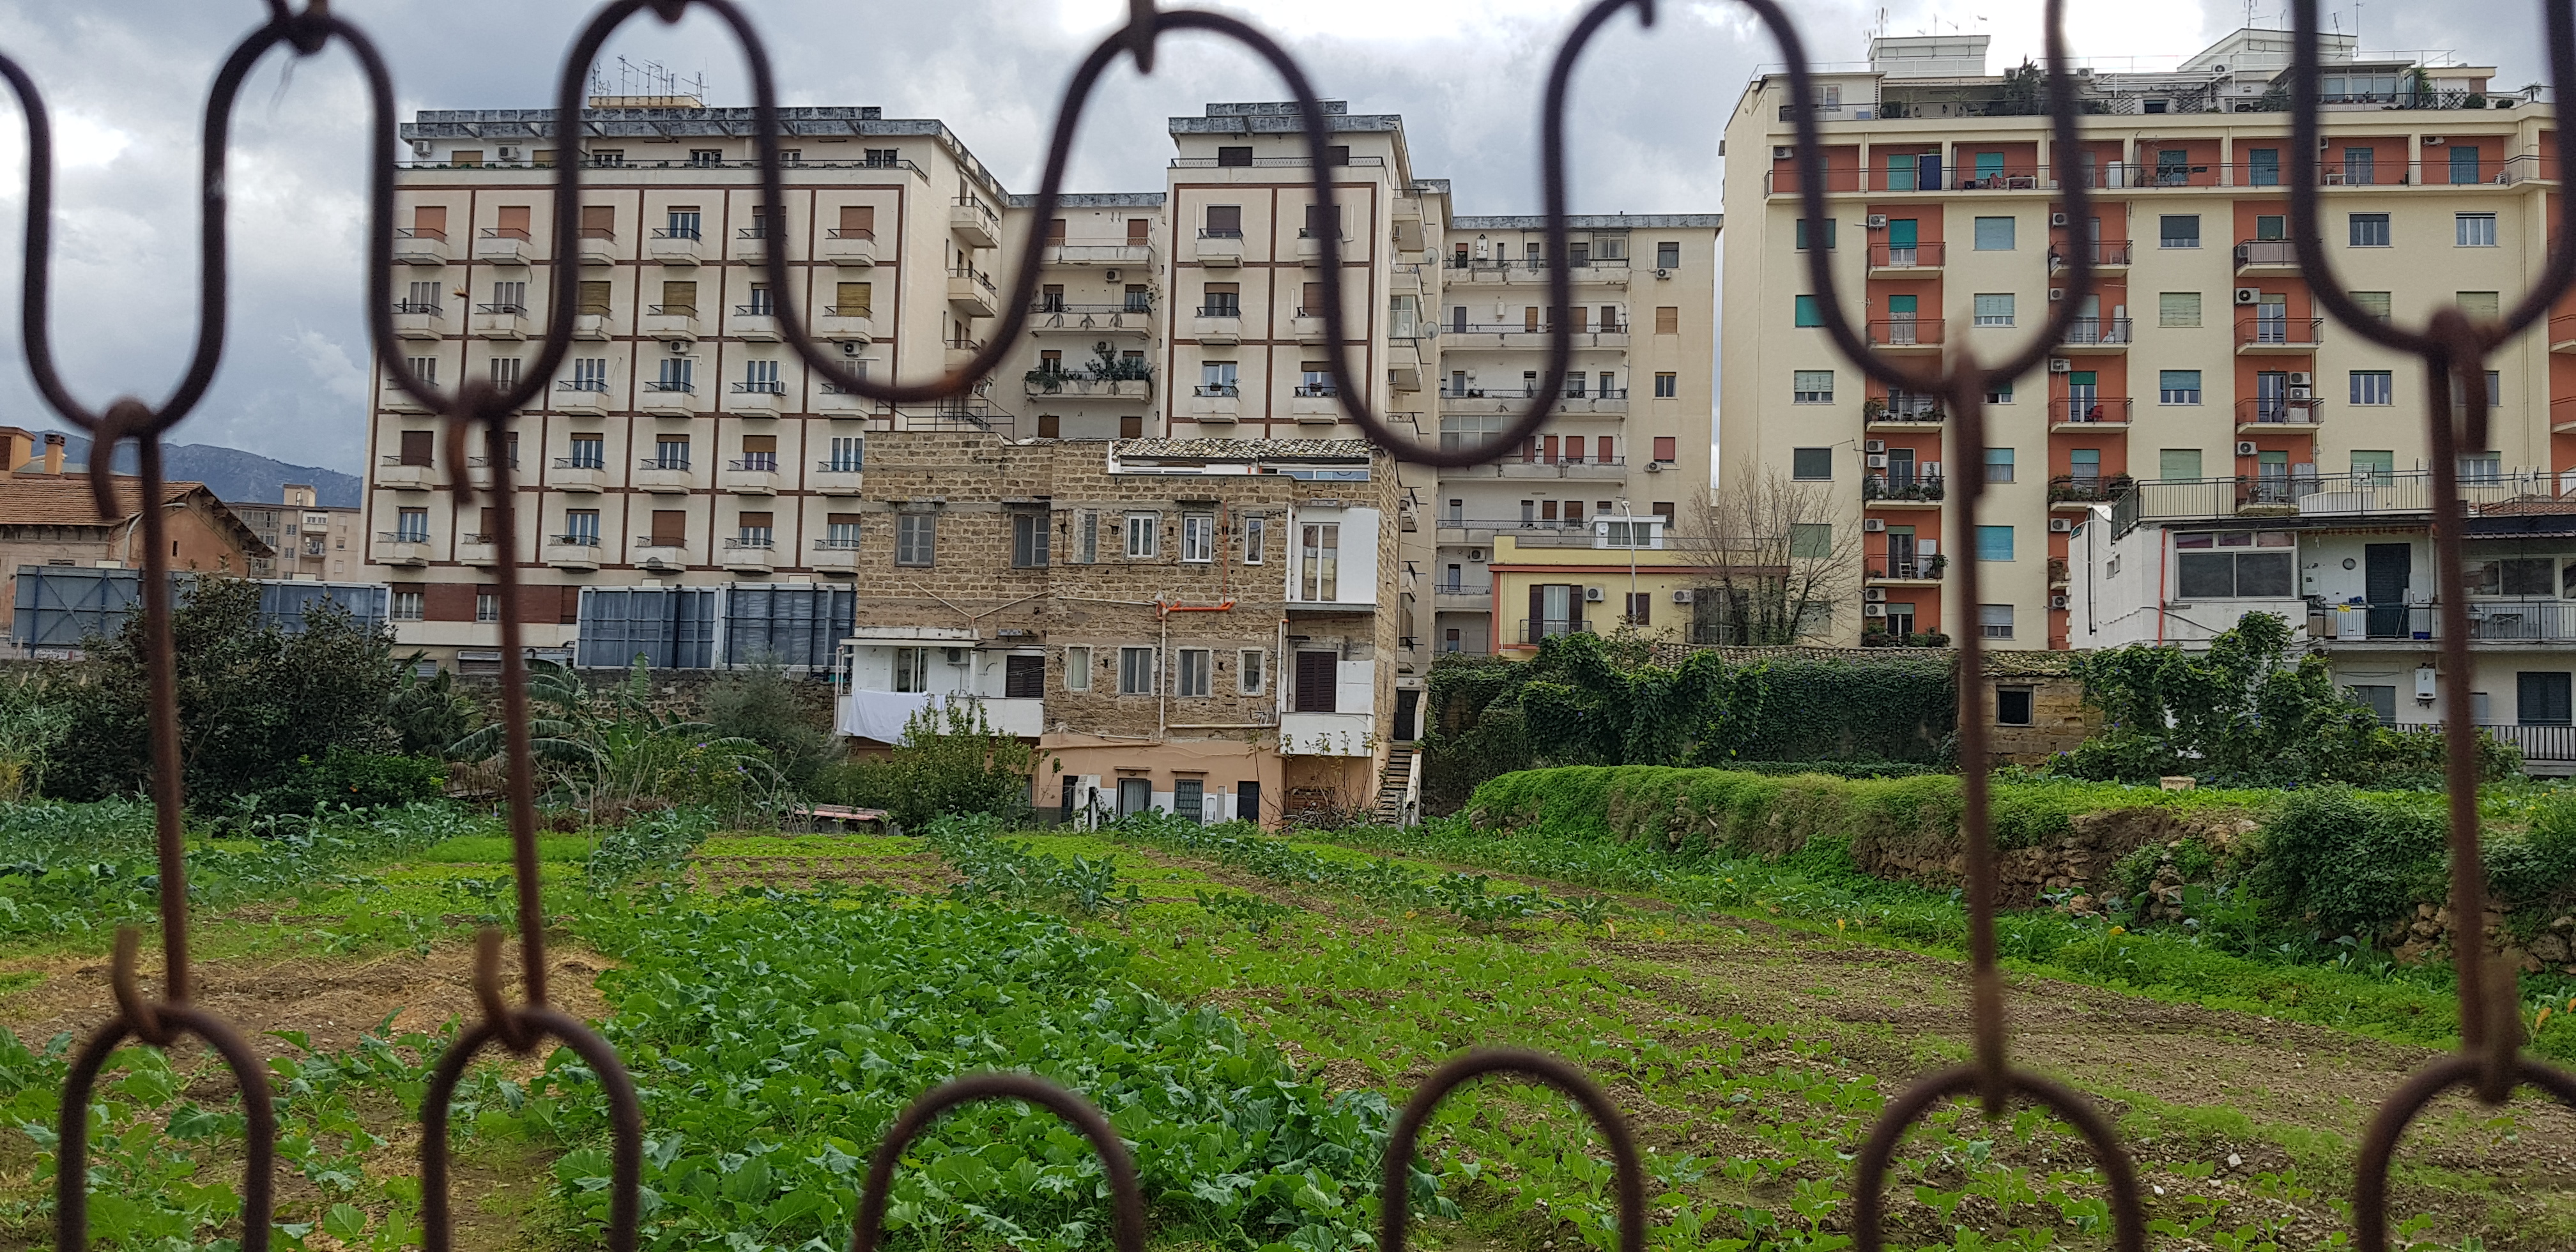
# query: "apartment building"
{"type": "Point", "coordinates": [2198, 362]}
{"type": "Point", "coordinates": [311, 541]}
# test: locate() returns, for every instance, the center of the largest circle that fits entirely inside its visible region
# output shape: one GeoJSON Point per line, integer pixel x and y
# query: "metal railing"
{"type": "Point", "coordinates": [1901, 407]}
{"type": "Point", "coordinates": [2552, 743]}
{"type": "Point", "coordinates": [2289, 333]}
{"type": "Point", "coordinates": [1914, 488]}
{"type": "Point", "coordinates": [2093, 410]}
{"type": "Point", "coordinates": [1908, 257]}
{"type": "Point", "coordinates": [1534, 629]}
{"type": "Point", "coordinates": [2272, 253]}
{"type": "Point", "coordinates": [1906, 332]}
{"type": "Point", "coordinates": [2367, 494]}
{"type": "Point", "coordinates": [2095, 331]}
{"type": "Point", "coordinates": [2279, 411]}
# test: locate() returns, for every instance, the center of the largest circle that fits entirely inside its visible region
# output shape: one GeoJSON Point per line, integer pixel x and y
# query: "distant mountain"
{"type": "Point", "coordinates": [232, 473]}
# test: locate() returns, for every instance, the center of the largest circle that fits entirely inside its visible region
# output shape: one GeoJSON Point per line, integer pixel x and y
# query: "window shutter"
{"type": "Point", "coordinates": [1668, 319]}
{"type": "Point", "coordinates": [670, 528]}
{"type": "Point", "coordinates": [677, 296]}
{"type": "Point", "coordinates": [599, 221]}
{"type": "Point", "coordinates": [760, 443]}
{"type": "Point", "coordinates": [513, 220]}
{"type": "Point", "coordinates": [1315, 682]}
{"type": "Point", "coordinates": [757, 521]}
{"type": "Point", "coordinates": [1225, 217]}
{"type": "Point", "coordinates": [430, 220]}
{"type": "Point", "coordinates": [1140, 229]}
{"type": "Point", "coordinates": [594, 297]}
{"type": "Point", "coordinates": [853, 299]}
{"type": "Point", "coordinates": [858, 220]}
{"type": "Point", "coordinates": [416, 446]}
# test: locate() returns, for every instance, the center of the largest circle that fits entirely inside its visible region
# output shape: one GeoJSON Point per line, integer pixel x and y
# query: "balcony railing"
{"type": "Point", "coordinates": [2085, 331]}
{"type": "Point", "coordinates": [2538, 743]}
{"type": "Point", "coordinates": [1316, 390]}
{"type": "Point", "coordinates": [1906, 333]}
{"type": "Point", "coordinates": [1907, 257]}
{"type": "Point", "coordinates": [2288, 333]}
{"type": "Point", "coordinates": [2111, 411]}
{"type": "Point", "coordinates": [402, 536]}
{"type": "Point", "coordinates": [664, 463]}
{"type": "Point", "coordinates": [1914, 567]}
{"type": "Point", "coordinates": [677, 386]}
{"type": "Point", "coordinates": [2276, 253]}
{"type": "Point", "coordinates": [1899, 407]}
{"type": "Point", "coordinates": [2087, 488]}
{"type": "Point", "coordinates": [599, 385]}
{"type": "Point", "coordinates": [678, 232]}
{"type": "Point", "coordinates": [2368, 494]}
{"type": "Point", "coordinates": [761, 386]}
{"type": "Point", "coordinates": [2105, 252]}
{"type": "Point", "coordinates": [597, 462]}
{"type": "Point", "coordinates": [1220, 310]}
{"type": "Point", "coordinates": [981, 278]}
{"type": "Point", "coordinates": [574, 541]}
{"type": "Point", "coordinates": [402, 307]}
{"type": "Point", "coordinates": [2333, 170]}
{"type": "Point", "coordinates": [2279, 411]}
{"type": "Point", "coordinates": [1228, 390]}
{"type": "Point", "coordinates": [757, 463]}
{"type": "Point", "coordinates": [1534, 629]}
{"type": "Point", "coordinates": [1924, 488]}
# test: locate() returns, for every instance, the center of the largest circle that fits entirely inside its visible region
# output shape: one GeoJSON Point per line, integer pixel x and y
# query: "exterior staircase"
{"type": "Point", "coordinates": [1395, 785]}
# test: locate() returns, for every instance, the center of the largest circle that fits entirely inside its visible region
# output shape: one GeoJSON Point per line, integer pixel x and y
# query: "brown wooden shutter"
{"type": "Point", "coordinates": [670, 528]}
{"type": "Point", "coordinates": [1140, 229]}
{"type": "Point", "coordinates": [570, 611]}
{"type": "Point", "coordinates": [1529, 318]}
{"type": "Point", "coordinates": [1131, 426]}
{"type": "Point", "coordinates": [1225, 217]}
{"type": "Point", "coordinates": [853, 299]}
{"type": "Point", "coordinates": [1055, 230]}
{"type": "Point", "coordinates": [760, 443]}
{"type": "Point", "coordinates": [756, 521]}
{"type": "Point", "coordinates": [429, 221]}
{"type": "Point", "coordinates": [840, 519]}
{"type": "Point", "coordinates": [599, 221]}
{"type": "Point", "coordinates": [1664, 510]}
{"type": "Point", "coordinates": [1312, 300]}
{"type": "Point", "coordinates": [514, 221]}
{"type": "Point", "coordinates": [680, 297]}
{"type": "Point", "coordinates": [417, 446]}
{"type": "Point", "coordinates": [594, 297]}
{"type": "Point", "coordinates": [483, 524]}
{"type": "Point", "coordinates": [1668, 320]}
{"type": "Point", "coordinates": [1537, 613]}
{"type": "Point", "coordinates": [1582, 318]}
{"type": "Point", "coordinates": [858, 221]}
{"type": "Point", "coordinates": [447, 602]}
{"type": "Point", "coordinates": [1315, 682]}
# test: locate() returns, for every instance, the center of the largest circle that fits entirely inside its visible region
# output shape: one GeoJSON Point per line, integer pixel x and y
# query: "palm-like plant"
{"type": "Point", "coordinates": [594, 751]}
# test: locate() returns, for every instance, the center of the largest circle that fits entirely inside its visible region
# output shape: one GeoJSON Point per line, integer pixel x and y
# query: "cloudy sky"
{"type": "Point", "coordinates": [126, 81]}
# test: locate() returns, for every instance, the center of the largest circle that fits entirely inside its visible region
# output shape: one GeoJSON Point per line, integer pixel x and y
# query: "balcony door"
{"type": "Point", "coordinates": [1902, 238]}
{"type": "Point", "coordinates": [1900, 317]}
{"type": "Point", "coordinates": [2386, 572]}
{"type": "Point", "coordinates": [2083, 392]}
{"type": "Point", "coordinates": [1900, 552]}
{"type": "Point", "coordinates": [1316, 672]}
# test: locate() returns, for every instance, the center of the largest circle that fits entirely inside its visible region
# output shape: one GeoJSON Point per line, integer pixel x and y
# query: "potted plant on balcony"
{"type": "Point", "coordinates": [1108, 366]}
{"type": "Point", "coordinates": [1940, 562]}
{"type": "Point", "coordinates": [1873, 409]}
{"type": "Point", "coordinates": [1049, 380]}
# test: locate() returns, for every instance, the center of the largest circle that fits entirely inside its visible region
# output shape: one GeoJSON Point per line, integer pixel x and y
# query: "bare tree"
{"type": "Point", "coordinates": [1779, 563]}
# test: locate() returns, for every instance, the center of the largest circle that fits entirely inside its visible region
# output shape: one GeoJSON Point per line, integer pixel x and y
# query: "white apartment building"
{"type": "Point", "coordinates": [684, 445]}
{"type": "Point", "coordinates": [2198, 362]}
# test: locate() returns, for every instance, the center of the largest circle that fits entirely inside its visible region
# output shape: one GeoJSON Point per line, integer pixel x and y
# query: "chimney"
{"type": "Point", "coordinates": [54, 453]}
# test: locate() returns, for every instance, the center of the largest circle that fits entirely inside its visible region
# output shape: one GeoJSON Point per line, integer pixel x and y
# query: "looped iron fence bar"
{"type": "Point", "coordinates": [2451, 345]}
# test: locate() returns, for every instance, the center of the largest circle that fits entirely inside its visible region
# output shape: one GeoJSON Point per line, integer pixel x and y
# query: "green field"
{"type": "Point", "coordinates": [1249, 1011]}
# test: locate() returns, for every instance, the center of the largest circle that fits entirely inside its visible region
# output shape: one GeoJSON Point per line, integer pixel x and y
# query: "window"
{"type": "Point", "coordinates": [1668, 254]}
{"type": "Point", "coordinates": [1640, 610]}
{"type": "Point", "coordinates": [1999, 465]}
{"type": "Point", "coordinates": [2178, 308]}
{"type": "Point", "coordinates": [1319, 551]}
{"type": "Point", "coordinates": [405, 605]}
{"type": "Point", "coordinates": [853, 300]}
{"type": "Point", "coordinates": [1028, 540]}
{"type": "Point", "coordinates": [418, 447]}
{"type": "Point", "coordinates": [1994, 308]}
{"type": "Point", "coordinates": [509, 297]}
{"type": "Point", "coordinates": [1198, 537]}
{"type": "Point", "coordinates": [1256, 534]}
{"type": "Point", "coordinates": [1135, 671]}
{"type": "Point", "coordinates": [2178, 464]}
{"type": "Point", "coordinates": [841, 531]}
{"type": "Point", "coordinates": [916, 538]}
{"type": "Point", "coordinates": [2000, 393]}
{"type": "Point", "coordinates": [1811, 541]}
{"type": "Point", "coordinates": [2239, 574]}
{"type": "Point", "coordinates": [1802, 237]}
{"type": "Point", "coordinates": [1189, 795]}
{"type": "Point", "coordinates": [2378, 464]}
{"type": "Point", "coordinates": [2013, 704]}
{"type": "Point", "coordinates": [2475, 230]}
{"type": "Point", "coordinates": [1224, 221]}
{"type": "Point", "coordinates": [424, 368]}
{"type": "Point", "coordinates": [2543, 698]}
{"type": "Point", "coordinates": [1668, 319]}
{"type": "Point", "coordinates": [487, 606]}
{"type": "Point", "coordinates": [1994, 234]}
{"type": "Point", "coordinates": [588, 452]}
{"type": "Point", "coordinates": [912, 669]}
{"type": "Point", "coordinates": [1805, 386]}
{"type": "Point", "coordinates": [849, 454]}
{"type": "Point", "coordinates": [1808, 314]}
{"type": "Point", "coordinates": [2374, 303]}
{"type": "Point", "coordinates": [1077, 668]}
{"type": "Point", "coordinates": [2367, 230]}
{"type": "Point", "coordinates": [589, 374]}
{"type": "Point", "coordinates": [1995, 621]}
{"type": "Point", "coordinates": [1222, 300]}
{"type": "Point", "coordinates": [1667, 448]}
{"type": "Point", "coordinates": [1023, 677]}
{"type": "Point", "coordinates": [1669, 385]}
{"type": "Point", "coordinates": [2373, 387]}
{"type": "Point", "coordinates": [1144, 536]}
{"type": "Point", "coordinates": [683, 223]}
{"type": "Point", "coordinates": [2178, 386]}
{"type": "Point", "coordinates": [2481, 467]}
{"type": "Point", "coordinates": [2178, 230]}
{"type": "Point", "coordinates": [1216, 378]}
{"type": "Point", "coordinates": [411, 525]}
{"type": "Point", "coordinates": [755, 530]}
{"type": "Point", "coordinates": [706, 156]}
{"type": "Point", "coordinates": [1234, 155]}
{"type": "Point", "coordinates": [2480, 304]}
{"type": "Point", "coordinates": [1994, 543]}
{"type": "Point", "coordinates": [1086, 537]}
{"type": "Point", "coordinates": [2265, 166]}
{"type": "Point", "coordinates": [1195, 666]}
{"type": "Point", "coordinates": [1249, 670]}
{"type": "Point", "coordinates": [2380, 698]}
{"type": "Point", "coordinates": [1811, 464]}
{"type": "Point", "coordinates": [1625, 532]}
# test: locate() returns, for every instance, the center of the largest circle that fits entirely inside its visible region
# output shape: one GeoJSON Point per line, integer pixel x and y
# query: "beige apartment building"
{"type": "Point", "coordinates": [311, 541]}
{"type": "Point", "coordinates": [2199, 365]}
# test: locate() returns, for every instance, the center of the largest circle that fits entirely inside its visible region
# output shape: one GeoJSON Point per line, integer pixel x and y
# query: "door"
{"type": "Point", "coordinates": [1556, 608]}
{"type": "Point", "coordinates": [1408, 702]}
{"type": "Point", "coordinates": [2386, 572]}
{"type": "Point", "coordinates": [1927, 172]}
{"type": "Point", "coordinates": [1902, 235]}
{"type": "Point", "coordinates": [2271, 320]}
{"type": "Point", "coordinates": [1900, 468]}
{"type": "Point", "coordinates": [1900, 319]}
{"type": "Point", "coordinates": [1900, 552]}
{"type": "Point", "coordinates": [2088, 322]}
{"type": "Point", "coordinates": [1247, 801]}
{"type": "Point", "coordinates": [1315, 675]}
{"type": "Point", "coordinates": [1135, 795]}
{"type": "Point", "coordinates": [2083, 396]}
{"type": "Point", "coordinates": [1066, 810]}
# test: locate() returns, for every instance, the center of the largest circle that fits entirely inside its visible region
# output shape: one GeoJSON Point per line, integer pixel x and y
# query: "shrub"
{"type": "Point", "coordinates": [951, 761]}
{"type": "Point", "coordinates": [428, 715]}
{"type": "Point", "coordinates": [759, 705]}
{"type": "Point", "coordinates": [359, 780]}
{"type": "Point", "coordinates": [2351, 863]}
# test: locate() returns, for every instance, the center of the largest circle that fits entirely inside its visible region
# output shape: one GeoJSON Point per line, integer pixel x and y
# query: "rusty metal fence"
{"type": "Point", "coordinates": [2451, 345]}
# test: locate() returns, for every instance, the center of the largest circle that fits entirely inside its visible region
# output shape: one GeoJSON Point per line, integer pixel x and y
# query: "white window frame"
{"type": "Point", "coordinates": [1198, 538]}
{"type": "Point", "coordinates": [1128, 656]}
{"type": "Point", "coordinates": [1194, 672]}
{"type": "Point", "coordinates": [1810, 395]}
{"type": "Point", "coordinates": [1144, 536]}
{"type": "Point", "coordinates": [916, 540]}
{"type": "Point", "coordinates": [1077, 667]}
{"type": "Point", "coordinates": [2366, 384]}
{"type": "Point", "coordinates": [1993, 308]}
{"type": "Point", "coordinates": [1251, 670]}
{"type": "Point", "coordinates": [1256, 534]}
{"type": "Point", "coordinates": [2474, 230]}
{"type": "Point", "coordinates": [1319, 566]}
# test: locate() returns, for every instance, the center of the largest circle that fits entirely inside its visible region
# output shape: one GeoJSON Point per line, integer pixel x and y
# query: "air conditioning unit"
{"type": "Point", "coordinates": [509, 154]}
{"type": "Point", "coordinates": [956, 656]}
{"type": "Point", "coordinates": [1873, 525]}
{"type": "Point", "coordinates": [1109, 276]}
{"type": "Point", "coordinates": [2060, 365]}
{"type": "Point", "coordinates": [2061, 525]}
{"type": "Point", "coordinates": [851, 347]}
{"type": "Point", "coordinates": [1475, 554]}
{"type": "Point", "coordinates": [2434, 141]}
{"type": "Point", "coordinates": [2300, 378]}
{"type": "Point", "coordinates": [1592, 595]}
{"type": "Point", "coordinates": [1875, 595]}
{"type": "Point", "coordinates": [1782, 152]}
{"type": "Point", "coordinates": [1682, 595]}
{"type": "Point", "coordinates": [1873, 445]}
{"type": "Point", "coordinates": [2057, 601]}
{"type": "Point", "coordinates": [2244, 447]}
{"type": "Point", "coordinates": [1878, 460]}
{"type": "Point", "coordinates": [1655, 467]}
{"type": "Point", "coordinates": [1663, 273]}
{"type": "Point", "coordinates": [1875, 221]}
{"type": "Point", "coordinates": [2057, 219]}
{"type": "Point", "coordinates": [679, 347]}
{"type": "Point", "coordinates": [2056, 294]}
{"type": "Point", "coordinates": [1873, 610]}
{"type": "Point", "coordinates": [2248, 295]}
{"type": "Point", "coordinates": [2302, 393]}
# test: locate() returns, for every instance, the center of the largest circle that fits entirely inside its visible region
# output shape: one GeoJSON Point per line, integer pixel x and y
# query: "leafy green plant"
{"type": "Point", "coordinates": [428, 714]}
{"type": "Point", "coordinates": [1253, 913]}
{"type": "Point", "coordinates": [615, 754]}
{"type": "Point", "coordinates": [951, 761]}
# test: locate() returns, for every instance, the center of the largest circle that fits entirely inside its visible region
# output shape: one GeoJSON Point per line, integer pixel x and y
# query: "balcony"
{"type": "Point", "coordinates": [1112, 321]}
{"type": "Point", "coordinates": [750, 476]}
{"type": "Point", "coordinates": [579, 473]}
{"type": "Point", "coordinates": [478, 551]}
{"type": "Point", "coordinates": [1461, 598]}
{"type": "Point", "coordinates": [497, 246]}
{"type": "Point", "coordinates": [1908, 571]}
{"type": "Point", "coordinates": [671, 323]}
{"type": "Point", "coordinates": [1922, 260]}
{"type": "Point", "coordinates": [577, 552]}
{"type": "Point", "coordinates": [668, 399]}
{"type": "Point", "coordinates": [958, 354]}
{"type": "Point", "coordinates": [1219, 249]}
{"type": "Point", "coordinates": [675, 247]}
{"type": "Point", "coordinates": [1898, 412]}
{"type": "Point", "coordinates": [2096, 334]}
{"type": "Point", "coordinates": [834, 401]}
{"type": "Point", "coordinates": [2407, 493]}
{"type": "Point", "coordinates": [1567, 467]}
{"type": "Point", "coordinates": [850, 249]}
{"type": "Point", "coordinates": [1532, 630]}
{"type": "Point", "coordinates": [396, 400]}
{"type": "Point", "coordinates": [1310, 248]}
{"type": "Point", "coordinates": [1315, 403]}
{"type": "Point", "coordinates": [1217, 324]}
{"type": "Point", "coordinates": [1346, 734]}
{"type": "Point", "coordinates": [2273, 415]}
{"type": "Point", "coordinates": [2079, 490]}
{"type": "Point", "coordinates": [418, 321]}
{"type": "Point", "coordinates": [2278, 336]}
{"type": "Point", "coordinates": [760, 399]}
{"type": "Point", "coordinates": [2267, 258]}
{"type": "Point", "coordinates": [838, 478]}
{"type": "Point", "coordinates": [834, 556]}
{"type": "Point", "coordinates": [2088, 414]}
{"type": "Point", "coordinates": [1086, 385]}
{"type": "Point", "coordinates": [663, 476]}
{"type": "Point", "coordinates": [974, 224]}
{"type": "Point", "coordinates": [402, 547]}
{"type": "Point", "coordinates": [402, 475]}
{"type": "Point", "coordinates": [849, 324]}
{"type": "Point", "coordinates": [756, 323]}
{"type": "Point", "coordinates": [500, 321]}
{"type": "Point", "coordinates": [1903, 336]}
{"type": "Point", "coordinates": [1116, 255]}
{"type": "Point", "coordinates": [659, 553]}
{"type": "Point", "coordinates": [419, 247]}
{"type": "Point", "coordinates": [1306, 327]}
{"type": "Point", "coordinates": [590, 326]}
{"type": "Point", "coordinates": [1608, 401]}
{"type": "Point", "coordinates": [749, 555]}
{"type": "Point", "coordinates": [1528, 336]}
{"type": "Point", "coordinates": [2110, 256]}
{"type": "Point", "coordinates": [581, 397]}
{"type": "Point", "coordinates": [597, 246]}
{"type": "Point", "coordinates": [751, 244]}
{"type": "Point", "coordinates": [1903, 490]}
{"type": "Point", "coordinates": [970, 292]}
{"type": "Point", "coordinates": [1214, 403]}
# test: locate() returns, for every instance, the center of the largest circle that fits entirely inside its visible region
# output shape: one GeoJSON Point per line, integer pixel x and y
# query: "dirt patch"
{"type": "Point", "coordinates": [910, 873]}
{"type": "Point", "coordinates": [333, 1002]}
